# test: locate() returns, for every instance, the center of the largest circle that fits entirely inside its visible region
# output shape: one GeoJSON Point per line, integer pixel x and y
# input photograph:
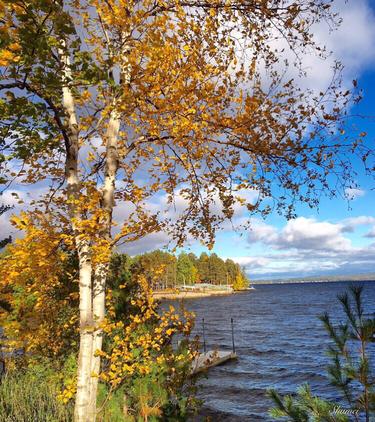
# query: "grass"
{"type": "Point", "coordinates": [31, 396]}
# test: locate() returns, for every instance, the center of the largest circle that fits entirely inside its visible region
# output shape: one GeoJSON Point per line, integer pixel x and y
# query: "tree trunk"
{"type": "Point", "coordinates": [92, 281]}
{"type": "Point", "coordinates": [100, 277]}
{"type": "Point", "coordinates": [83, 406]}
{"type": "Point", "coordinates": [101, 272]}
{"type": "Point", "coordinates": [82, 412]}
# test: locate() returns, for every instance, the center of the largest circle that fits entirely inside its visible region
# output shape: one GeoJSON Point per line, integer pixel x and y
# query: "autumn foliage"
{"type": "Point", "coordinates": [39, 317]}
{"type": "Point", "coordinates": [38, 292]}
{"type": "Point", "coordinates": [186, 104]}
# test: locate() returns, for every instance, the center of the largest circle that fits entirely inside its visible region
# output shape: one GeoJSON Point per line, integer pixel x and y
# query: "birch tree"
{"type": "Point", "coordinates": [111, 101]}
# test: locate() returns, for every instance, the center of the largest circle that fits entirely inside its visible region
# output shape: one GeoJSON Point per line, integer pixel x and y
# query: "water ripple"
{"type": "Point", "coordinates": [279, 341]}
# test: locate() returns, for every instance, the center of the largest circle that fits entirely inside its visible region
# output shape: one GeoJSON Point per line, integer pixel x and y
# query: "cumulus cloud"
{"type": "Point", "coordinates": [262, 232]}
{"type": "Point", "coordinates": [309, 234]}
{"type": "Point", "coordinates": [148, 243]}
{"type": "Point", "coordinates": [18, 200]}
{"type": "Point", "coordinates": [302, 234]}
{"type": "Point", "coordinates": [173, 211]}
{"type": "Point", "coordinates": [252, 262]}
{"type": "Point", "coordinates": [306, 246]}
{"type": "Point", "coordinates": [349, 224]}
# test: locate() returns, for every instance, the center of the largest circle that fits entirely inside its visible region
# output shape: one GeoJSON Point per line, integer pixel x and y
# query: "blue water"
{"type": "Point", "coordinates": [279, 341]}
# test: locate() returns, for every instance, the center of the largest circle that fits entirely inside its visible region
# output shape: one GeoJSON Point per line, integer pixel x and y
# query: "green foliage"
{"type": "Point", "coordinates": [120, 274]}
{"type": "Point", "coordinates": [186, 272]}
{"type": "Point", "coordinates": [305, 407]}
{"type": "Point", "coordinates": [217, 273]}
{"type": "Point", "coordinates": [53, 375]}
{"type": "Point", "coordinates": [350, 369]}
{"type": "Point", "coordinates": [165, 393]}
{"type": "Point", "coordinates": [185, 269]}
{"type": "Point", "coordinates": [163, 262]}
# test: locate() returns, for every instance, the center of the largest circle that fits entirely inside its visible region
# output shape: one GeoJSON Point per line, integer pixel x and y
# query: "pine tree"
{"type": "Point", "coordinates": [185, 269]}
{"type": "Point", "coordinates": [217, 270]}
{"type": "Point", "coordinates": [350, 369]}
{"type": "Point", "coordinates": [232, 270]}
{"type": "Point", "coordinates": [203, 267]}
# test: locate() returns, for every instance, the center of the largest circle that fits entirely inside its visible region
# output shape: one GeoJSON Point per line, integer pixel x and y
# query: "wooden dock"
{"type": "Point", "coordinates": [211, 358]}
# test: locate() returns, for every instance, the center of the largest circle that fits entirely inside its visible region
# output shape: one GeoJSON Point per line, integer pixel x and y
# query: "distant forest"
{"type": "Point", "coordinates": [164, 270]}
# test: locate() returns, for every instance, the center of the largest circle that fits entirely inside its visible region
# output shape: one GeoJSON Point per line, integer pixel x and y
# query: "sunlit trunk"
{"type": "Point", "coordinates": [101, 271]}
{"type": "Point", "coordinates": [83, 407]}
{"type": "Point", "coordinates": [92, 289]}
{"type": "Point", "coordinates": [99, 283]}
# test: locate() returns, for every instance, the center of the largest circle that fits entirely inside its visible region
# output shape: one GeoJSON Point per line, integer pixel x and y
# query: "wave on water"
{"type": "Point", "coordinates": [279, 341]}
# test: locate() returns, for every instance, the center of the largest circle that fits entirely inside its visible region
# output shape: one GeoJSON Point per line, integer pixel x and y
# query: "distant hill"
{"type": "Point", "coordinates": [319, 279]}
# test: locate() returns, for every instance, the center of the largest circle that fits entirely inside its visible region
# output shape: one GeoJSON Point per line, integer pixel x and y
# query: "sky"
{"type": "Point", "coordinates": [339, 237]}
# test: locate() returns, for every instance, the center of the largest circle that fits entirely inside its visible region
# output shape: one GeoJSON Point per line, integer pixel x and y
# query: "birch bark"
{"type": "Point", "coordinates": [101, 271]}
{"type": "Point", "coordinates": [81, 412]}
{"type": "Point", "coordinates": [92, 281]}
{"type": "Point", "coordinates": [107, 203]}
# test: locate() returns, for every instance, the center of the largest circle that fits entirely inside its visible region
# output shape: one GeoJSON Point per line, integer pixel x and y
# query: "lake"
{"type": "Point", "coordinates": [279, 341]}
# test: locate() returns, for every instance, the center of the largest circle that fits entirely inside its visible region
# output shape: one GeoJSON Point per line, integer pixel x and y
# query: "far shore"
{"type": "Point", "coordinates": [191, 295]}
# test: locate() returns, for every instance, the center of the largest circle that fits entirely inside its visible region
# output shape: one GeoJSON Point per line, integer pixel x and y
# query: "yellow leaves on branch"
{"type": "Point", "coordinates": [10, 51]}
{"type": "Point", "coordinates": [9, 55]}
{"type": "Point", "coordinates": [30, 284]}
{"type": "Point", "coordinates": [146, 340]}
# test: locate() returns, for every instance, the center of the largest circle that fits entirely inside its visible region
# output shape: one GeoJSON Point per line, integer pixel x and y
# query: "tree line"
{"type": "Point", "coordinates": [164, 270]}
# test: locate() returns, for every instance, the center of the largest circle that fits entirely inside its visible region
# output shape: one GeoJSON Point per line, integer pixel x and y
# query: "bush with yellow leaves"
{"type": "Point", "coordinates": [145, 372]}
{"type": "Point", "coordinates": [142, 365]}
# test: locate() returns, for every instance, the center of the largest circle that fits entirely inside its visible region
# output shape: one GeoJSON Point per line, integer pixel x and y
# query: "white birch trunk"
{"type": "Point", "coordinates": [100, 277]}
{"type": "Point", "coordinates": [82, 406]}
{"type": "Point", "coordinates": [101, 272]}
{"type": "Point", "coordinates": [91, 286]}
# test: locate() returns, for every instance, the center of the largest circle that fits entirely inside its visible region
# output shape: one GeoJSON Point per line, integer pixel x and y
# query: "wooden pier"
{"type": "Point", "coordinates": [211, 358]}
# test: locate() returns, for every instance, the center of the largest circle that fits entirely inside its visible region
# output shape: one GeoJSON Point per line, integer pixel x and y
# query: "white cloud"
{"type": "Point", "coordinates": [261, 232]}
{"type": "Point", "coordinates": [309, 234]}
{"type": "Point", "coordinates": [148, 243]}
{"type": "Point", "coordinates": [12, 197]}
{"type": "Point", "coordinates": [306, 246]}
{"type": "Point", "coordinates": [252, 262]}
{"type": "Point", "coordinates": [301, 234]}
{"type": "Point", "coordinates": [174, 211]}
{"type": "Point", "coordinates": [371, 233]}
{"type": "Point", "coordinates": [354, 193]}
{"type": "Point", "coordinates": [351, 44]}
{"type": "Point", "coordinates": [349, 224]}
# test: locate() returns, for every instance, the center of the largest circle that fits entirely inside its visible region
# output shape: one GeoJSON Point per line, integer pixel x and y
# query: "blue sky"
{"type": "Point", "coordinates": [305, 247]}
{"type": "Point", "coordinates": [337, 238]}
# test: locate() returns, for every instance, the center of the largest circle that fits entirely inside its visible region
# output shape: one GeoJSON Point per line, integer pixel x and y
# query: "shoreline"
{"type": "Point", "coordinates": [191, 295]}
{"type": "Point", "coordinates": [196, 294]}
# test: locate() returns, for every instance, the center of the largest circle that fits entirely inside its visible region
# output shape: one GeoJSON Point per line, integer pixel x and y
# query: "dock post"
{"type": "Point", "coordinates": [204, 337]}
{"type": "Point", "coordinates": [233, 346]}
